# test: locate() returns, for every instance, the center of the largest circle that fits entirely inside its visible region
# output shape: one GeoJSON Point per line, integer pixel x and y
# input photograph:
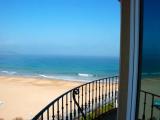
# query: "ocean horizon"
{"type": "Point", "coordinates": [74, 68]}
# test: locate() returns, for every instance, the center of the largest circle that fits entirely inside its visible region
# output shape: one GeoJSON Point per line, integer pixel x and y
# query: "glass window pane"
{"type": "Point", "coordinates": [149, 104]}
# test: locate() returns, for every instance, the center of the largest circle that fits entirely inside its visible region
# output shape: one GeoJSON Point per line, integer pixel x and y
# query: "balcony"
{"type": "Point", "coordinates": [149, 108]}
{"type": "Point", "coordinates": [93, 100]}
{"type": "Point", "coordinates": [97, 100]}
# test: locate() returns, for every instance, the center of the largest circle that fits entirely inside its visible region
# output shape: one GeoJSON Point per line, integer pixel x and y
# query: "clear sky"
{"type": "Point", "coordinates": [60, 27]}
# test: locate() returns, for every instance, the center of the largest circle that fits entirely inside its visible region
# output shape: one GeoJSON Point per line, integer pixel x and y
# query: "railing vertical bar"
{"type": "Point", "coordinates": [86, 98]}
{"type": "Point", "coordinates": [78, 109]}
{"type": "Point", "coordinates": [112, 91]}
{"type": "Point", "coordinates": [74, 110]}
{"type": "Point", "coordinates": [92, 98]}
{"type": "Point", "coordinates": [67, 106]}
{"type": "Point", "coordinates": [89, 102]}
{"type": "Point", "coordinates": [58, 117]}
{"type": "Point", "coordinates": [42, 116]}
{"type": "Point", "coordinates": [48, 114]}
{"type": "Point", "coordinates": [115, 83]}
{"type": "Point", "coordinates": [53, 111]}
{"type": "Point", "coordinates": [71, 105]}
{"type": "Point", "coordinates": [99, 97]}
{"type": "Point", "coordinates": [106, 94]}
{"type": "Point", "coordinates": [102, 94]}
{"type": "Point", "coordinates": [152, 107]}
{"type": "Point", "coordinates": [144, 107]}
{"type": "Point", "coordinates": [109, 95]}
{"type": "Point", "coordinates": [96, 101]}
{"type": "Point", "coordinates": [82, 98]}
{"type": "Point", "coordinates": [62, 108]}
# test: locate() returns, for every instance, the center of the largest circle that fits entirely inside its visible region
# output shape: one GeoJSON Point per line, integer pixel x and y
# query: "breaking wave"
{"type": "Point", "coordinates": [85, 75]}
{"type": "Point", "coordinates": [8, 72]}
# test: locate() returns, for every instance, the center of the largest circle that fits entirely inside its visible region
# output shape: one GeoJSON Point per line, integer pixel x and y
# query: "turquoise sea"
{"type": "Point", "coordinates": [151, 66]}
{"type": "Point", "coordinates": [59, 67]}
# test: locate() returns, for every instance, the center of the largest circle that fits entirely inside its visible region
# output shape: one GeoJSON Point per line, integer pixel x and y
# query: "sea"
{"type": "Point", "coordinates": [73, 68]}
{"type": "Point", "coordinates": [150, 66]}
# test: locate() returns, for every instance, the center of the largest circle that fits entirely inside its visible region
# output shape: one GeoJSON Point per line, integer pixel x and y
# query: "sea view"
{"type": "Point", "coordinates": [24, 78]}
{"type": "Point", "coordinates": [150, 66]}
{"type": "Point", "coordinates": [48, 48]}
{"type": "Point", "coordinates": [74, 68]}
{"type": "Point", "coordinates": [79, 60]}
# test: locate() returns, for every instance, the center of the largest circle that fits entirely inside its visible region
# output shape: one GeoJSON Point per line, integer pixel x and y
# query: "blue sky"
{"type": "Point", "coordinates": [60, 27]}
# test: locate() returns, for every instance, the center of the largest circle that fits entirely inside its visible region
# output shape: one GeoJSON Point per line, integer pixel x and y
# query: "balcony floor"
{"type": "Point", "coordinates": [111, 115]}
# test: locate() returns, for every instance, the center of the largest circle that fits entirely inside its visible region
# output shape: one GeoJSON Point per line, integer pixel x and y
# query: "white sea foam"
{"type": "Point", "coordinates": [65, 77]}
{"type": "Point", "coordinates": [152, 73]}
{"type": "Point", "coordinates": [9, 72]}
{"type": "Point", "coordinates": [85, 75]}
{"type": "Point", "coordinates": [46, 76]}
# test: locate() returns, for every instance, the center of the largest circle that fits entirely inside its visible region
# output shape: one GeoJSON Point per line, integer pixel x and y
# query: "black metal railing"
{"type": "Point", "coordinates": [149, 106]}
{"type": "Point", "coordinates": [85, 102]}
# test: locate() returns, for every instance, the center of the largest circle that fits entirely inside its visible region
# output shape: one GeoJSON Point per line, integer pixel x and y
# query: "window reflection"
{"type": "Point", "coordinates": [149, 104]}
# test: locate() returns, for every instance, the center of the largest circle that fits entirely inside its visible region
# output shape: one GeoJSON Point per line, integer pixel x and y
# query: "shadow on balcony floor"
{"type": "Point", "coordinates": [111, 115]}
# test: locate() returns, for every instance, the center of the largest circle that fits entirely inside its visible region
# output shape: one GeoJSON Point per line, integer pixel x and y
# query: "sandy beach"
{"type": "Point", "coordinates": [24, 97]}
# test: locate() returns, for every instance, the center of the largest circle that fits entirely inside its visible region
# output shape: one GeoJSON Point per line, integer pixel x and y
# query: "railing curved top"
{"type": "Point", "coordinates": [153, 94]}
{"type": "Point", "coordinates": [96, 87]}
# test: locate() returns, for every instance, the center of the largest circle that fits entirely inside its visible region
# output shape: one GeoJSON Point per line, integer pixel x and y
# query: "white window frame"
{"type": "Point", "coordinates": [133, 59]}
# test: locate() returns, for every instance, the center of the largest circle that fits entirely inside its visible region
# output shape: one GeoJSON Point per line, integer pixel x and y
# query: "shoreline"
{"type": "Point", "coordinates": [55, 77]}
{"type": "Point", "coordinates": [25, 96]}
{"type": "Point", "coordinates": [42, 78]}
